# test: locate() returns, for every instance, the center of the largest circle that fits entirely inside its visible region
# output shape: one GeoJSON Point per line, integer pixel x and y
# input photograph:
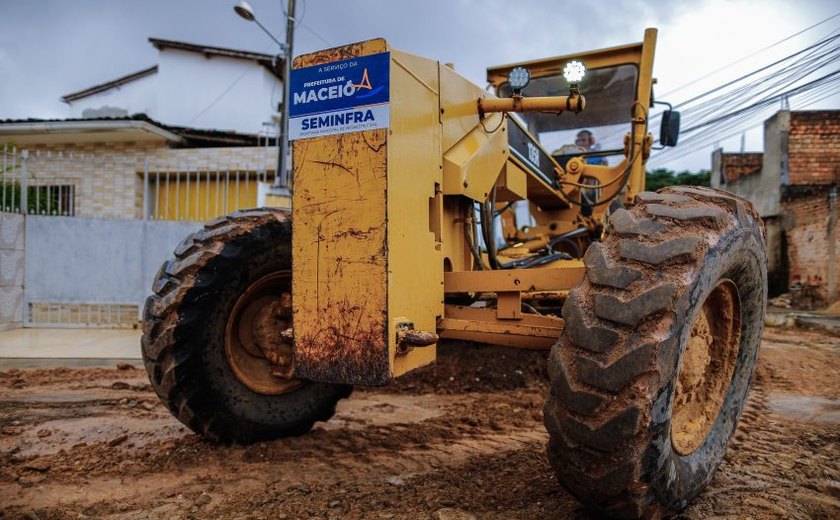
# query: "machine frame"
{"type": "Point", "coordinates": [557, 278]}
{"type": "Point", "coordinates": [361, 227]}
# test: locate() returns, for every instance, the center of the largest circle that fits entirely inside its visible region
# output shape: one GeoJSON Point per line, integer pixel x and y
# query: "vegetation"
{"type": "Point", "coordinates": [661, 177]}
{"type": "Point", "coordinates": [43, 200]}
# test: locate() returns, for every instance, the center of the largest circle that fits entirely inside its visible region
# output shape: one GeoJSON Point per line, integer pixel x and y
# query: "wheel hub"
{"type": "Point", "coordinates": [707, 367]}
{"type": "Point", "coordinates": [257, 353]}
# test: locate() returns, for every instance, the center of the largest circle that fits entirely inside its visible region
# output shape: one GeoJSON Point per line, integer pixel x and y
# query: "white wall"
{"type": "Point", "coordinates": [215, 93]}
{"type": "Point", "coordinates": [101, 261]}
{"type": "Point", "coordinates": [139, 96]}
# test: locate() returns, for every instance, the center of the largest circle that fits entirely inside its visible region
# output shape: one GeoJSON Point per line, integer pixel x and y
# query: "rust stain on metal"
{"type": "Point", "coordinates": [345, 52]}
{"type": "Point", "coordinates": [408, 338]}
{"type": "Point", "coordinates": [350, 346]}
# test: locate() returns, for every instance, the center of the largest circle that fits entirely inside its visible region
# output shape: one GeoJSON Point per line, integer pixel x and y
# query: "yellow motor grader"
{"type": "Point", "coordinates": [426, 208]}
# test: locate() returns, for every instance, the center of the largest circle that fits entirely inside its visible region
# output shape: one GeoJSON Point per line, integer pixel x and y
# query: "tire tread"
{"type": "Point", "coordinates": [169, 313]}
{"type": "Point", "coordinates": [610, 357]}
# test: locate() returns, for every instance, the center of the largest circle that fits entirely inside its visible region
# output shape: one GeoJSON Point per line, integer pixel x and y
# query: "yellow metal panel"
{"type": "Point", "coordinates": [339, 258]}
{"type": "Point", "coordinates": [532, 331]}
{"type": "Point", "coordinates": [458, 106]}
{"type": "Point", "coordinates": [367, 217]}
{"type": "Point", "coordinates": [474, 155]}
{"type": "Point", "coordinates": [415, 262]}
{"type": "Point", "coordinates": [565, 275]}
{"type": "Point", "coordinates": [340, 248]}
{"type": "Point", "coordinates": [637, 177]}
{"type": "Point", "coordinates": [513, 184]}
{"type": "Point", "coordinates": [472, 165]}
{"type": "Point", "coordinates": [527, 338]}
{"type": "Point", "coordinates": [454, 247]}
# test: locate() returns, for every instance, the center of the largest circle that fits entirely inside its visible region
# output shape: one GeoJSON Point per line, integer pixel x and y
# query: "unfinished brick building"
{"type": "Point", "coordinates": [793, 183]}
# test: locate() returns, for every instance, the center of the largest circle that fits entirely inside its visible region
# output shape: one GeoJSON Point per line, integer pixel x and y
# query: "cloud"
{"type": "Point", "coordinates": [85, 42]}
{"type": "Point", "coordinates": [52, 47]}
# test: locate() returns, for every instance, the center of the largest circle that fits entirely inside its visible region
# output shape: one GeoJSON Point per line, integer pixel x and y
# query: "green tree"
{"type": "Point", "coordinates": [661, 177]}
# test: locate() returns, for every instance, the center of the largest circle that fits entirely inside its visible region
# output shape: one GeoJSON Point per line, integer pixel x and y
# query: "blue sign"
{"type": "Point", "coordinates": [344, 96]}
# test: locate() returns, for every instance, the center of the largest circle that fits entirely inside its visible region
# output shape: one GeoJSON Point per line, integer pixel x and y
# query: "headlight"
{"type": "Point", "coordinates": [518, 78]}
{"type": "Point", "coordinates": [574, 71]}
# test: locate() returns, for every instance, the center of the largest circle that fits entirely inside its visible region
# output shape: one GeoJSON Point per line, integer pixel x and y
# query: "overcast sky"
{"type": "Point", "coordinates": [49, 48]}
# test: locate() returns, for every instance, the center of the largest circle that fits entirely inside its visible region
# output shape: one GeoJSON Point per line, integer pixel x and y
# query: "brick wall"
{"type": "Point", "coordinates": [810, 231]}
{"type": "Point", "coordinates": [107, 178]}
{"type": "Point", "coordinates": [797, 172]}
{"type": "Point", "coordinates": [737, 165]}
{"type": "Point", "coordinates": [814, 147]}
{"type": "Point", "coordinates": [102, 175]}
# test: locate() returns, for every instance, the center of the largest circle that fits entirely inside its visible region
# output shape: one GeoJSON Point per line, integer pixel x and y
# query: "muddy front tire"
{"type": "Point", "coordinates": [199, 346]}
{"type": "Point", "coordinates": [650, 376]}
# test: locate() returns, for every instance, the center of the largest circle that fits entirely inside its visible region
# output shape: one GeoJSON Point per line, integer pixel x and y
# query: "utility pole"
{"type": "Point", "coordinates": [283, 171]}
{"type": "Point", "coordinates": [280, 188]}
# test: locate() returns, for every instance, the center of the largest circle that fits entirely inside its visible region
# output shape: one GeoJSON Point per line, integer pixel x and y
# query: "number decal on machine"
{"type": "Point", "coordinates": [533, 154]}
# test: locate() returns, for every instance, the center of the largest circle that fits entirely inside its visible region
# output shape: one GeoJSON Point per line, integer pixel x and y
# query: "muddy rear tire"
{"type": "Point", "coordinates": [651, 374]}
{"type": "Point", "coordinates": [186, 340]}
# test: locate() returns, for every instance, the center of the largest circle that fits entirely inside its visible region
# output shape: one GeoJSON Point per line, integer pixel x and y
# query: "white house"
{"type": "Point", "coordinates": [193, 86]}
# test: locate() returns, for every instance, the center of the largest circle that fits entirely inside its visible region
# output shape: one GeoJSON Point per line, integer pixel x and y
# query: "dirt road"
{"type": "Point", "coordinates": [466, 435]}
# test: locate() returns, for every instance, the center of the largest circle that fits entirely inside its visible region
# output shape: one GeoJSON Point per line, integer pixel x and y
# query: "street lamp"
{"type": "Point", "coordinates": [245, 10]}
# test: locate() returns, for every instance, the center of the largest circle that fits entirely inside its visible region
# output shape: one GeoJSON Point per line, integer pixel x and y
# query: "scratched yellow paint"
{"type": "Point", "coordinates": [366, 256]}
{"type": "Point", "coordinates": [339, 281]}
{"type": "Point", "coordinates": [339, 249]}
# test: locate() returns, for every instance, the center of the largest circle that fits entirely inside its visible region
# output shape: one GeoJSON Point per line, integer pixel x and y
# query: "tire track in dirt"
{"type": "Point", "coordinates": [775, 467]}
{"type": "Point", "coordinates": [467, 434]}
{"type": "Point", "coordinates": [392, 468]}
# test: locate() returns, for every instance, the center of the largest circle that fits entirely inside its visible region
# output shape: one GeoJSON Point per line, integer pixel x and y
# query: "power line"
{"type": "Point", "coordinates": [832, 92]}
{"type": "Point", "coordinates": [735, 123]}
{"type": "Point", "coordinates": [310, 29]}
{"type": "Point", "coordinates": [746, 101]}
{"type": "Point", "coordinates": [324, 40]}
{"type": "Point", "coordinates": [742, 120]}
{"type": "Point", "coordinates": [244, 73]}
{"type": "Point", "coordinates": [774, 77]}
{"type": "Point", "coordinates": [219, 98]}
{"type": "Point", "coordinates": [226, 91]}
{"type": "Point", "coordinates": [762, 69]}
{"type": "Point", "coordinates": [739, 60]}
{"type": "Point", "coordinates": [764, 86]}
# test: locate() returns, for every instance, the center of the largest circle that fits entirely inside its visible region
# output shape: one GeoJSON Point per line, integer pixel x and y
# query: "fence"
{"type": "Point", "coordinates": [178, 192]}
{"type": "Point", "coordinates": [58, 184]}
{"type": "Point", "coordinates": [13, 181]}
{"type": "Point", "coordinates": [129, 186]}
{"type": "Point", "coordinates": [105, 272]}
{"type": "Point", "coordinates": [113, 218]}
